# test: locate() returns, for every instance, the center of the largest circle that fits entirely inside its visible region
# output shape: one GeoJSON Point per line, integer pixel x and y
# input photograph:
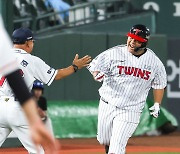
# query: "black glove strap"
{"type": "Point", "coordinates": [75, 67]}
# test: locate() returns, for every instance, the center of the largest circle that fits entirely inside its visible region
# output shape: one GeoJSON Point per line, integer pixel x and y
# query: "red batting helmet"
{"type": "Point", "coordinates": [141, 33]}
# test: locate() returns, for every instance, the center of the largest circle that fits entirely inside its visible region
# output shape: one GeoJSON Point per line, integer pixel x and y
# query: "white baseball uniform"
{"type": "Point", "coordinates": [127, 81]}
{"type": "Point", "coordinates": [12, 117]}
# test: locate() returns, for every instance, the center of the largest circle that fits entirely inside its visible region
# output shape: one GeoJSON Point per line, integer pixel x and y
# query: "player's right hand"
{"type": "Point", "coordinates": [99, 77]}
{"type": "Point", "coordinates": [82, 62]}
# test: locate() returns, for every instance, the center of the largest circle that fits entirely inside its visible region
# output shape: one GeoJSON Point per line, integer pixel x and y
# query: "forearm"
{"type": "Point", "coordinates": [158, 95]}
{"type": "Point", "coordinates": [62, 73]}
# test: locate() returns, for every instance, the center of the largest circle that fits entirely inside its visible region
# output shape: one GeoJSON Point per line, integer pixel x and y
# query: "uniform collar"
{"type": "Point", "coordinates": [141, 53]}
{"type": "Point", "coordinates": [17, 50]}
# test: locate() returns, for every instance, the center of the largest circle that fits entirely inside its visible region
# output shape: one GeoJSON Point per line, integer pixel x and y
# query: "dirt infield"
{"type": "Point", "coordinates": [171, 140]}
{"type": "Point", "coordinates": [165, 144]}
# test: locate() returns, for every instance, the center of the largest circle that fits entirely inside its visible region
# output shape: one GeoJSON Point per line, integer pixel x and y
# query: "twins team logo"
{"type": "Point", "coordinates": [133, 71]}
{"type": "Point", "coordinates": [136, 31]}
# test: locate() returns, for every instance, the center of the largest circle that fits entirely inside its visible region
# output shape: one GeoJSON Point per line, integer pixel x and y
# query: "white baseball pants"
{"type": "Point", "coordinates": [115, 127]}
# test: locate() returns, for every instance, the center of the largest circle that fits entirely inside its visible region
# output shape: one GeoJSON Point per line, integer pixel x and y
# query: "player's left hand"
{"type": "Point", "coordinates": [155, 110]}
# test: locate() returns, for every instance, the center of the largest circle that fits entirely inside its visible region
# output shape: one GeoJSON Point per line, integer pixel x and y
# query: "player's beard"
{"type": "Point", "coordinates": [134, 49]}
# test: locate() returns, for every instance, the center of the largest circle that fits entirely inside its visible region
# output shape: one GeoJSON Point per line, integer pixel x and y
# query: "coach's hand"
{"type": "Point", "coordinates": [82, 62]}
{"type": "Point", "coordinates": [155, 110]}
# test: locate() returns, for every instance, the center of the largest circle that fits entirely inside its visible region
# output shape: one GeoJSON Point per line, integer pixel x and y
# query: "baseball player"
{"type": "Point", "coordinates": [9, 68]}
{"type": "Point", "coordinates": [38, 90]}
{"type": "Point", "coordinates": [128, 73]}
{"type": "Point", "coordinates": [31, 68]}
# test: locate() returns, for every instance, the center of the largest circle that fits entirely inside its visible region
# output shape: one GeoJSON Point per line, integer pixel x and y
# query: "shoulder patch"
{"type": "Point", "coordinates": [24, 63]}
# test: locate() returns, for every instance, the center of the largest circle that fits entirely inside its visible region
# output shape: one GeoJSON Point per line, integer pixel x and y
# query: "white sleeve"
{"type": "Point", "coordinates": [8, 61]}
{"type": "Point", "coordinates": [42, 71]}
{"type": "Point", "coordinates": [101, 63]}
{"type": "Point", "coordinates": [160, 80]}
